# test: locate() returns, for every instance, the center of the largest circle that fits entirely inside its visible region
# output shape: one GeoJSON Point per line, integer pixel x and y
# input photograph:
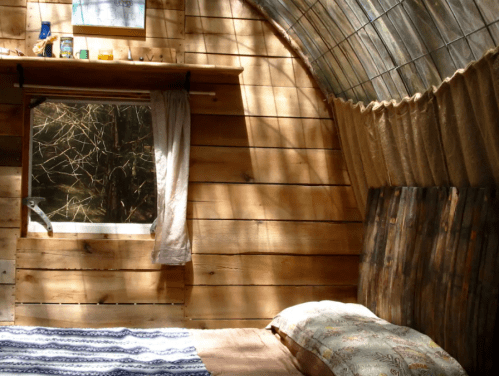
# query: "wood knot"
{"type": "Point", "coordinates": [247, 178]}
{"type": "Point", "coordinates": [29, 278]}
{"type": "Point", "coordinates": [87, 247]}
{"type": "Point", "coordinates": [211, 273]}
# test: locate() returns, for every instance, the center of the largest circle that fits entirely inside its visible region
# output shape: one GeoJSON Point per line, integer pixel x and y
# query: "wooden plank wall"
{"type": "Point", "coordinates": [272, 217]}
{"type": "Point", "coordinates": [12, 36]}
{"type": "Point", "coordinates": [430, 262]}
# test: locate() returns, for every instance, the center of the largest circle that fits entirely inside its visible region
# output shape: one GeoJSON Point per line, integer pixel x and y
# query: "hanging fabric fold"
{"type": "Point", "coordinates": [171, 121]}
{"type": "Point", "coordinates": [448, 135]}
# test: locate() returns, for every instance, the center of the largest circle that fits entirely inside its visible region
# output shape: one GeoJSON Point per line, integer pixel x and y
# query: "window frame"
{"type": "Point", "coordinates": [31, 97]}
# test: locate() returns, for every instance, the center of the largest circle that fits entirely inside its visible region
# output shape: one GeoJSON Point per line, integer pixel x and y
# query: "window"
{"type": "Point", "coordinates": [94, 165]}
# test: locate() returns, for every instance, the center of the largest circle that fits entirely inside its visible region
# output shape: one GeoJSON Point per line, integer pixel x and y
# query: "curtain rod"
{"type": "Point", "coordinates": [69, 88]}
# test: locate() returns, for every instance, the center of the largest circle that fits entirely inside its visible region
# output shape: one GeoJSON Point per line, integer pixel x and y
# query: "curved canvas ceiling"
{"type": "Point", "coordinates": [386, 49]}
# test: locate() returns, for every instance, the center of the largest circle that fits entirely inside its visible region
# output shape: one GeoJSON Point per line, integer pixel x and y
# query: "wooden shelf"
{"type": "Point", "coordinates": [117, 74]}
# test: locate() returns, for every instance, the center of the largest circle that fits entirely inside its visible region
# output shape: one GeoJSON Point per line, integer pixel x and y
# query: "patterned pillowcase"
{"type": "Point", "coordinates": [351, 340]}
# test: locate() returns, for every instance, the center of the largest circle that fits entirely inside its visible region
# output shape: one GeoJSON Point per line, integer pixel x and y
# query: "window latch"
{"type": "Point", "coordinates": [32, 203]}
{"type": "Point", "coordinates": [153, 226]}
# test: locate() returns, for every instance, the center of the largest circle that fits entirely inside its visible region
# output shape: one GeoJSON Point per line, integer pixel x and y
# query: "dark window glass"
{"type": "Point", "coordinates": [94, 163]}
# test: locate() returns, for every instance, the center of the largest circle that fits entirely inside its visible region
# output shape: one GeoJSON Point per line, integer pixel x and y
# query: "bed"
{"type": "Point", "coordinates": [315, 338]}
{"type": "Point", "coordinates": [330, 338]}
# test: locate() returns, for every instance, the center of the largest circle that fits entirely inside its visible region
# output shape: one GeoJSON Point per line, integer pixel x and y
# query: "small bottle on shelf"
{"type": "Point", "coordinates": [44, 33]}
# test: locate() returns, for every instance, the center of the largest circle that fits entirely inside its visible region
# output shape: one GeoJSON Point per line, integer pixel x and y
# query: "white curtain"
{"type": "Point", "coordinates": [171, 120]}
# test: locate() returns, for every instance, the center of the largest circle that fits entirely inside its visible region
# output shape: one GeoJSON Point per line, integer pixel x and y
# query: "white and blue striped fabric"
{"type": "Point", "coordinates": [98, 352]}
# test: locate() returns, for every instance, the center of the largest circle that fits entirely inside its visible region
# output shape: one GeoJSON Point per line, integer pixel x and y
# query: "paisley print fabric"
{"type": "Point", "coordinates": [98, 352]}
{"type": "Point", "coordinates": [353, 341]}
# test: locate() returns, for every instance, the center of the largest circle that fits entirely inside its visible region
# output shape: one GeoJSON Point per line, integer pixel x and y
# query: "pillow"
{"type": "Point", "coordinates": [351, 340]}
{"type": "Point", "coordinates": [308, 363]}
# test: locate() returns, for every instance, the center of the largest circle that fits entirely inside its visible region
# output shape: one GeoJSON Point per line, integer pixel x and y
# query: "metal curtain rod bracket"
{"type": "Point", "coordinates": [32, 203]}
{"type": "Point", "coordinates": [20, 71]}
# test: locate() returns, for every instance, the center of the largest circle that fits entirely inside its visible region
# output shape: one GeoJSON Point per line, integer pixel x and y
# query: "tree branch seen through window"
{"type": "Point", "coordinates": [94, 162]}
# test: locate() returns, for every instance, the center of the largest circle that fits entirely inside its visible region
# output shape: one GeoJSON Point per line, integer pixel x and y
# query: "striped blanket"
{"type": "Point", "coordinates": [98, 352]}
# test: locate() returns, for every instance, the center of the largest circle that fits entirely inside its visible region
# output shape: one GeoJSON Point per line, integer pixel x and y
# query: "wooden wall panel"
{"type": "Point", "coordinates": [214, 59]}
{"type": "Point", "coordinates": [275, 237]}
{"type": "Point", "coordinates": [272, 270]}
{"type": "Point", "coordinates": [258, 165]}
{"type": "Point", "coordinates": [256, 302]}
{"type": "Point", "coordinates": [251, 38]}
{"type": "Point", "coordinates": [300, 133]}
{"type": "Point", "coordinates": [256, 70]}
{"type": "Point", "coordinates": [271, 202]}
{"type": "Point", "coordinates": [8, 241]}
{"type": "Point", "coordinates": [10, 151]}
{"type": "Point", "coordinates": [11, 212]}
{"type": "Point", "coordinates": [208, 237]}
{"type": "Point", "coordinates": [10, 182]}
{"type": "Point", "coordinates": [234, 8]}
{"type": "Point", "coordinates": [7, 271]}
{"type": "Point", "coordinates": [12, 22]}
{"type": "Point", "coordinates": [227, 101]}
{"type": "Point", "coordinates": [236, 237]}
{"type": "Point", "coordinates": [164, 23]}
{"type": "Point", "coordinates": [282, 109]}
{"type": "Point", "coordinates": [7, 303]}
{"type": "Point", "coordinates": [208, 8]}
{"type": "Point", "coordinates": [211, 43]}
{"type": "Point", "coordinates": [51, 1]}
{"type": "Point", "coordinates": [10, 191]}
{"type": "Point", "coordinates": [85, 254]}
{"type": "Point", "coordinates": [95, 286]}
{"type": "Point", "coordinates": [208, 25]}
{"type": "Point", "coordinates": [100, 316]}
{"type": "Point", "coordinates": [260, 101]}
{"type": "Point", "coordinates": [10, 120]}
{"type": "Point", "coordinates": [38, 12]}
{"type": "Point", "coordinates": [282, 72]}
{"type": "Point", "coordinates": [8, 93]}
{"type": "Point", "coordinates": [14, 3]}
